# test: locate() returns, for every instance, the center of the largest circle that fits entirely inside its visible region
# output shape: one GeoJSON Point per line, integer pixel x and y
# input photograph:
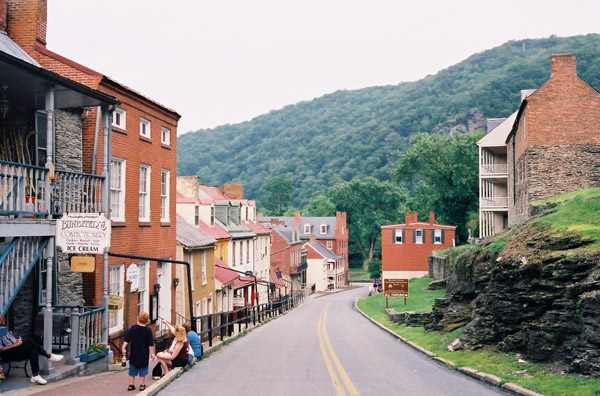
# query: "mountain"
{"type": "Point", "coordinates": [358, 133]}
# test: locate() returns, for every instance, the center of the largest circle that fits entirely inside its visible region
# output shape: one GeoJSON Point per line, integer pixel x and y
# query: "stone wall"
{"type": "Point", "coordinates": [68, 141]}
{"type": "Point", "coordinates": [437, 267]}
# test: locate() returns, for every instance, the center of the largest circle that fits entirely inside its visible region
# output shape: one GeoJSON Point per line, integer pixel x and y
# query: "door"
{"type": "Point", "coordinates": [163, 278]}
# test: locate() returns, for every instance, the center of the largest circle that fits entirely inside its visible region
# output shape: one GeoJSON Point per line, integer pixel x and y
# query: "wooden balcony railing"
{"type": "Point", "coordinates": [495, 202]}
{"type": "Point", "coordinates": [493, 169]}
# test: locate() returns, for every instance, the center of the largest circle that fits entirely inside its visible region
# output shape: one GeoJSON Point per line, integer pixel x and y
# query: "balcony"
{"type": "Point", "coordinates": [493, 169]}
{"type": "Point", "coordinates": [29, 191]}
{"type": "Point", "coordinates": [494, 202]}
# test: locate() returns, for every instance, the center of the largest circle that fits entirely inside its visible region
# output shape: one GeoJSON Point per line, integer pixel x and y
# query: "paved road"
{"type": "Point", "coordinates": [323, 347]}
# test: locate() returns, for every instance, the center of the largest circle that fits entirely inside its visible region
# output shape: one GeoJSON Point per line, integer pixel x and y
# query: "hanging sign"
{"type": "Point", "coordinates": [83, 264]}
{"type": "Point", "coordinates": [133, 276]}
{"type": "Point", "coordinates": [115, 302]}
{"type": "Point", "coordinates": [83, 233]}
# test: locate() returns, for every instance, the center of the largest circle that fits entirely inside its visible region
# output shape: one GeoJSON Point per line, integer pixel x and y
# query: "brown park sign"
{"type": "Point", "coordinates": [395, 287]}
{"type": "Point", "coordinates": [83, 264]}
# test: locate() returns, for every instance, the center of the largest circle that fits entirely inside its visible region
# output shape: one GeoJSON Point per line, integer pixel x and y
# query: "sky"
{"type": "Point", "coordinates": [227, 61]}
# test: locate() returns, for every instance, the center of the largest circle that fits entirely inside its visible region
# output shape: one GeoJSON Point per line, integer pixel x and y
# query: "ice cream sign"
{"type": "Point", "coordinates": [83, 233]}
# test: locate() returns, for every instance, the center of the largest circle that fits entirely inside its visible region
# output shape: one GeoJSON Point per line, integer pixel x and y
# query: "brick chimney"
{"type": "Point", "coordinates": [26, 23]}
{"type": "Point", "coordinates": [187, 186]}
{"type": "Point", "coordinates": [411, 217]}
{"type": "Point", "coordinates": [563, 65]}
{"type": "Point", "coordinates": [297, 219]}
{"type": "Point", "coordinates": [3, 15]}
{"type": "Point", "coordinates": [431, 218]}
{"type": "Point", "coordinates": [234, 190]}
{"type": "Point", "coordinates": [313, 238]}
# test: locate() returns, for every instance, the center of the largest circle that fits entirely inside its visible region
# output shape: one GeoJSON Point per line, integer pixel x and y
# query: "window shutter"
{"type": "Point", "coordinates": [403, 237]}
{"type": "Point", "coordinates": [423, 233]}
{"type": "Point", "coordinates": [414, 236]}
{"type": "Point", "coordinates": [432, 236]}
{"type": "Point", "coordinates": [442, 236]}
{"type": "Point", "coordinates": [394, 236]}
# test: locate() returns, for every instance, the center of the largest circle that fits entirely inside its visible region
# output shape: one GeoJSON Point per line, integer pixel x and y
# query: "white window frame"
{"type": "Point", "coordinates": [117, 189]}
{"type": "Point", "coordinates": [190, 257]}
{"type": "Point", "coordinates": [145, 127]}
{"type": "Point", "coordinates": [144, 284]}
{"type": "Point", "coordinates": [437, 237]}
{"type": "Point", "coordinates": [323, 229]}
{"type": "Point", "coordinates": [165, 136]}
{"type": "Point", "coordinates": [204, 277]}
{"type": "Point", "coordinates": [419, 236]}
{"type": "Point", "coordinates": [117, 287]}
{"type": "Point", "coordinates": [398, 237]}
{"type": "Point", "coordinates": [307, 228]}
{"type": "Point", "coordinates": [329, 245]}
{"type": "Point", "coordinates": [119, 118]}
{"type": "Point", "coordinates": [165, 186]}
{"type": "Point", "coordinates": [144, 192]}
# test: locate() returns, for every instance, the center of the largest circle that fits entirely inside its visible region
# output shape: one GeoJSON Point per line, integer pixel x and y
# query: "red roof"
{"type": "Point", "coordinates": [215, 231]}
{"type": "Point", "coordinates": [182, 199]}
{"type": "Point", "coordinates": [258, 228]}
{"type": "Point", "coordinates": [222, 275]}
{"type": "Point", "coordinates": [214, 193]}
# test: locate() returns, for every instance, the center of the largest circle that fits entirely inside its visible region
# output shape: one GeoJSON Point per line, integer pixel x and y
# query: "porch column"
{"type": "Point", "coordinates": [47, 367]}
{"type": "Point", "coordinates": [49, 145]}
{"type": "Point", "coordinates": [106, 130]}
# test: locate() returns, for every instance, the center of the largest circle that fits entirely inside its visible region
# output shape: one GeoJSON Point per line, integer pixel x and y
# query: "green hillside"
{"type": "Point", "coordinates": [358, 133]}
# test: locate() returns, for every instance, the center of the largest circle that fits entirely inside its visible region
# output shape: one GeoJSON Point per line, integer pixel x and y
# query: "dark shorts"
{"type": "Point", "coordinates": [179, 362]}
{"type": "Point", "coordinates": [139, 371]}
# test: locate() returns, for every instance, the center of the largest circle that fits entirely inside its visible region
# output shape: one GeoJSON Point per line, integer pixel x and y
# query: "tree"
{"type": "Point", "coordinates": [369, 204]}
{"type": "Point", "coordinates": [375, 268]}
{"type": "Point", "coordinates": [279, 189]}
{"type": "Point", "coordinates": [446, 171]}
{"type": "Point", "coordinates": [320, 206]}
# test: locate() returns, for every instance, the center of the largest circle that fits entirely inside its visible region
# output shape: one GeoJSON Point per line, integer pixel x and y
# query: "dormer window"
{"type": "Point", "coordinates": [323, 228]}
{"type": "Point", "coordinates": [307, 228]}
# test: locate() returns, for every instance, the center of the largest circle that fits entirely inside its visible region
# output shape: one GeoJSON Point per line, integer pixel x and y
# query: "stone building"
{"type": "Point", "coordinates": [554, 144]}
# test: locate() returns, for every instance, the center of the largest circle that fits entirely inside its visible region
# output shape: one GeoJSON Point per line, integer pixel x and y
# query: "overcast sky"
{"type": "Point", "coordinates": [228, 61]}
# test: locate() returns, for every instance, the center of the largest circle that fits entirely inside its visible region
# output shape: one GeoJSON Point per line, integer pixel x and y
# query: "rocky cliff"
{"type": "Point", "coordinates": [531, 290]}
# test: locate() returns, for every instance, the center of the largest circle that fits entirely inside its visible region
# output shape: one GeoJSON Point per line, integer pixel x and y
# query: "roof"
{"type": "Point", "coordinates": [419, 224]}
{"type": "Point", "coordinates": [190, 236]}
{"type": "Point", "coordinates": [211, 192]}
{"type": "Point", "coordinates": [11, 48]}
{"type": "Point", "coordinates": [216, 231]}
{"type": "Point", "coordinates": [323, 251]}
{"type": "Point", "coordinates": [497, 136]}
{"type": "Point", "coordinates": [258, 228]}
{"type": "Point", "coordinates": [181, 199]}
{"type": "Point", "coordinates": [242, 281]}
{"type": "Point", "coordinates": [222, 275]}
{"type": "Point", "coordinates": [315, 223]}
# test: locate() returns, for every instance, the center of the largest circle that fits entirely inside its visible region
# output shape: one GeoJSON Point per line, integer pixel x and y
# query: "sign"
{"type": "Point", "coordinates": [238, 301]}
{"type": "Point", "coordinates": [133, 276]}
{"type": "Point", "coordinates": [83, 264]}
{"type": "Point", "coordinates": [87, 233]}
{"type": "Point", "coordinates": [395, 287]}
{"type": "Point", "coordinates": [115, 302]}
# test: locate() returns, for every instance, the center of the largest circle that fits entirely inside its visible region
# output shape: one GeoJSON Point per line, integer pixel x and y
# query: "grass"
{"type": "Point", "coordinates": [546, 379]}
{"type": "Point", "coordinates": [357, 274]}
{"type": "Point", "coordinates": [580, 211]}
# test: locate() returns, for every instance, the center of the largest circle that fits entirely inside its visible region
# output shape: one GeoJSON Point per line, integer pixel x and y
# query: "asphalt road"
{"type": "Point", "coordinates": [323, 347]}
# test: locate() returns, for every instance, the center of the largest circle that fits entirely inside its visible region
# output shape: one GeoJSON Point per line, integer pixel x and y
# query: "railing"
{"type": "Point", "coordinates": [22, 191]}
{"type": "Point", "coordinates": [490, 169]}
{"type": "Point", "coordinates": [495, 202]}
{"type": "Point", "coordinates": [86, 329]}
{"type": "Point", "coordinates": [223, 324]}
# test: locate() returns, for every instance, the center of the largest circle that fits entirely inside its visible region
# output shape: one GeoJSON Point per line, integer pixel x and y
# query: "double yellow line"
{"type": "Point", "coordinates": [326, 347]}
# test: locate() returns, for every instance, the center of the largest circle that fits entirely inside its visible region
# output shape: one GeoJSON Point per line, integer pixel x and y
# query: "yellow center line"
{"type": "Point", "coordinates": [336, 384]}
{"type": "Point", "coordinates": [324, 339]}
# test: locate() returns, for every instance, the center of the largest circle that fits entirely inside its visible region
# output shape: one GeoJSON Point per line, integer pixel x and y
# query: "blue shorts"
{"type": "Point", "coordinates": [139, 371]}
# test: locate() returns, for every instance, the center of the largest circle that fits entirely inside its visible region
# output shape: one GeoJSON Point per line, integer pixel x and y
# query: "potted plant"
{"type": "Point", "coordinates": [94, 351]}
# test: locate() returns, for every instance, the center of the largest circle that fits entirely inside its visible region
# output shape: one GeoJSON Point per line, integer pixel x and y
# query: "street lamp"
{"type": "Point", "coordinates": [246, 273]}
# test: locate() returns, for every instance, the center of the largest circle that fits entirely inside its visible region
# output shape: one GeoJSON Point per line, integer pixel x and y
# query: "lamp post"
{"type": "Point", "coordinates": [246, 273]}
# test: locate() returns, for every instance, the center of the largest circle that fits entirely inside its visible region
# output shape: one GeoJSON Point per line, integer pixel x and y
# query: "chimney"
{"type": "Point", "coordinates": [234, 190]}
{"type": "Point", "coordinates": [313, 238]}
{"type": "Point", "coordinates": [297, 219]}
{"type": "Point", "coordinates": [431, 218]}
{"type": "Point", "coordinates": [3, 15]}
{"type": "Point", "coordinates": [187, 186]}
{"type": "Point", "coordinates": [26, 23]}
{"type": "Point", "coordinates": [563, 65]}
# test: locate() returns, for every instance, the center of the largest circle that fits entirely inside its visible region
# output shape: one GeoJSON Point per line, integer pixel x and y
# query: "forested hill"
{"type": "Point", "coordinates": [358, 133]}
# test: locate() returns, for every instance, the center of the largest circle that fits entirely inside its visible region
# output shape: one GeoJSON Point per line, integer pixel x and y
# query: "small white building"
{"type": "Point", "coordinates": [325, 269]}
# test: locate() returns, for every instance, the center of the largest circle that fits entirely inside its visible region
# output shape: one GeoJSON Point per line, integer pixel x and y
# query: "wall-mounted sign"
{"type": "Point", "coordinates": [83, 233]}
{"type": "Point", "coordinates": [115, 302]}
{"type": "Point", "coordinates": [133, 276]}
{"type": "Point", "coordinates": [83, 264]}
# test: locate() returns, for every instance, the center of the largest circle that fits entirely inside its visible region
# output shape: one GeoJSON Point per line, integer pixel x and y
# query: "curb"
{"type": "Point", "coordinates": [478, 375]}
{"type": "Point", "coordinates": [163, 382]}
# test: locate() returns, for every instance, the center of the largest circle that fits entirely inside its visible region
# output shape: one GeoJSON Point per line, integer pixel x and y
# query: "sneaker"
{"type": "Point", "coordinates": [55, 358]}
{"type": "Point", "coordinates": [38, 378]}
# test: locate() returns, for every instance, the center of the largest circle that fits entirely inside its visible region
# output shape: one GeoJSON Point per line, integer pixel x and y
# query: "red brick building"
{"type": "Point", "coordinates": [141, 146]}
{"type": "Point", "coordinates": [406, 247]}
{"type": "Point", "coordinates": [554, 142]}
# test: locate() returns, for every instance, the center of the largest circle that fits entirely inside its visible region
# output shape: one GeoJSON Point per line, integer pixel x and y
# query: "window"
{"type": "Point", "coordinates": [307, 228]}
{"type": "Point", "coordinates": [143, 287]}
{"type": "Point", "coordinates": [419, 236]}
{"type": "Point", "coordinates": [115, 319]}
{"type": "Point", "coordinates": [144, 214]}
{"type": "Point", "coordinates": [212, 216]}
{"type": "Point", "coordinates": [204, 267]}
{"type": "Point", "coordinates": [398, 236]}
{"type": "Point", "coordinates": [165, 177]}
{"type": "Point", "coordinates": [165, 136]}
{"type": "Point", "coordinates": [438, 236]}
{"type": "Point", "coordinates": [233, 254]}
{"type": "Point", "coordinates": [119, 118]}
{"type": "Point", "coordinates": [329, 244]}
{"type": "Point", "coordinates": [196, 214]}
{"type": "Point", "coordinates": [117, 189]}
{"type": "Point", "coordinates": [323, 228]}
{"type": "Point", "coordinates": [144, 128]}
{"type": "Point", "coordinates": [204, 306]}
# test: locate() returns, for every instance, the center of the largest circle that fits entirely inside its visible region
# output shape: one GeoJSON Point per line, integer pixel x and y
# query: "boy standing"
{"type": "Point", "coordinates": [142, 347]}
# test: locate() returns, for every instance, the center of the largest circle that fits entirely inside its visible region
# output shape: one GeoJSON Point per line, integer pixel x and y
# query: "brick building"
{"type": "Point", "coordinates": [406, 247]}
{"type": "Point", "coordinates": [141, 147]}
{"type": "Point", "coordinates": [555, 140]}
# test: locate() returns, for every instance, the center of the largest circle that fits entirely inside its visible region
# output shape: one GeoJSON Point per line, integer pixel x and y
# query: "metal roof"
{"type": "Point", "coordinates": [315, 223]}
{"type": "Point", "coordinates": [323, 251]}
{"type": "Point", "coordinates": [190, 236]}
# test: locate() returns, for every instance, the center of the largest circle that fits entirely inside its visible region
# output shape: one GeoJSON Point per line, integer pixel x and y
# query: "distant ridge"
{"type": "Point", "coordinates": [357, 133]}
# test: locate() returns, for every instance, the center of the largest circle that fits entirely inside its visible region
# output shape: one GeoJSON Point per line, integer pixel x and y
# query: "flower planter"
{"type": "Point", "coordinates": [89, 357]}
